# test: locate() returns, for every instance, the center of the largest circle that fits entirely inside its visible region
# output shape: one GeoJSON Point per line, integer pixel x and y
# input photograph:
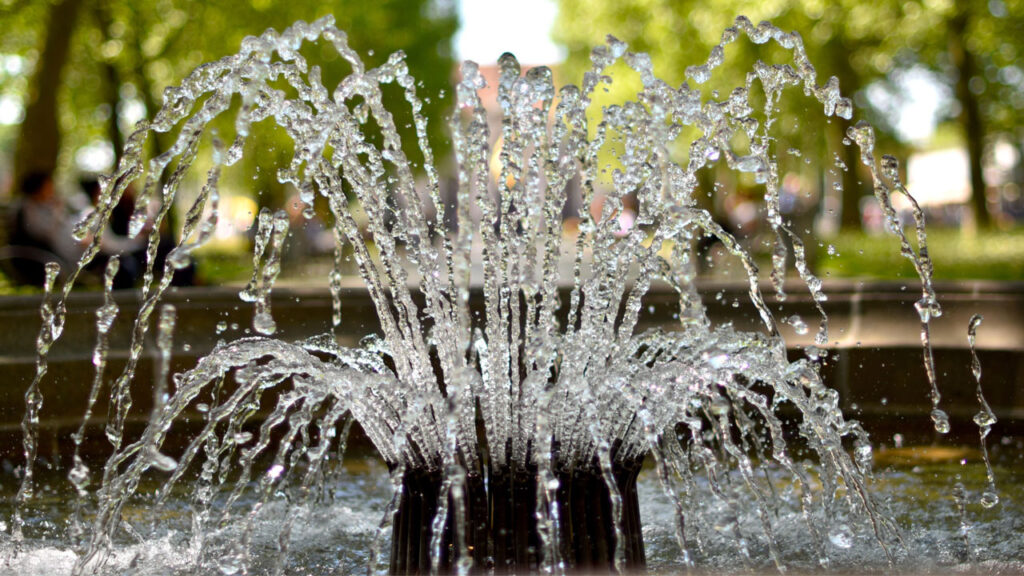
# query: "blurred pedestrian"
{"type": "Point", "coordinates": [132, 251]}
{"type": "Point", "coordinates": [40, 231]}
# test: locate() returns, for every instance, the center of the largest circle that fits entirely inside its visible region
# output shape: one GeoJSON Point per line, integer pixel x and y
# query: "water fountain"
{"type": "Point", "coordinates": [512, 431]}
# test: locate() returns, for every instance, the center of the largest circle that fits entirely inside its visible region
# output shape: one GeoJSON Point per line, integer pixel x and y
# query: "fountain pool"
{"type": "Point", "coordinates": [334, 537]}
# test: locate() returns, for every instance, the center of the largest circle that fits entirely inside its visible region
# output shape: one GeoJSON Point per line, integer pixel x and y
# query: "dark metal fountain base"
{"type": "Point", "coordinates": [501, 522]}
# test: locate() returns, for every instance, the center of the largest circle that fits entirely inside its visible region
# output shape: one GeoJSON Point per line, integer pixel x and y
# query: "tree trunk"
{"type": "Point", "coordinates": [158, 141]}
{"type": "Point", "coordinates": [112, 87]}
{"type": "Point", "coordinates": [39, 136]}
{"type": "Point", "coordinates": [853, 184]}
{"type": "Point", "coordinates": [970, 114]}
{"type": "Point", "coordinates": [113, 97]}
{"type": "Point", "coordinates": [854, 187]}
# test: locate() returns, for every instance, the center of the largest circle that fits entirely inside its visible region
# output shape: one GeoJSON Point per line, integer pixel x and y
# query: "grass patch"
{"type": "Point", "coordinates": [988, 255]}
{"type": "Point", "coordinates": [217, 267]}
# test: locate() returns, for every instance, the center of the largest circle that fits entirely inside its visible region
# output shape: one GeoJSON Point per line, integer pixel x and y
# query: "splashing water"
{"type": "Point", "coordinates": [535, 382]}
{"type": "Point", "coordinates": [985, 418]}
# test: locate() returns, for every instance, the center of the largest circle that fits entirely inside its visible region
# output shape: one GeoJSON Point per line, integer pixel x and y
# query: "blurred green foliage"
{"type": "Point", "coordinates": [972, 47]}
{"type": "Point", "coordinates": [124, 53]}
{"type": "Point", "coordinates": [875, 40]}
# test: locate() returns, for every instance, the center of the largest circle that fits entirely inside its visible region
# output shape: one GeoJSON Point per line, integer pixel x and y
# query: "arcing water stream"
{"type": "Point", "coordinates": [748, 447]}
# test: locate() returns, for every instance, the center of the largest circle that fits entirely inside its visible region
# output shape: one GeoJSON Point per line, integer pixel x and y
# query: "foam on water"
{"type": "Point", "coordinates": [440, 388]}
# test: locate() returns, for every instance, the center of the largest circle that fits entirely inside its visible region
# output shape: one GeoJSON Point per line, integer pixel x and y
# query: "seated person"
{"type": "Point", "coordinates": [40, 231]}
{"type": "Point", "coordinates": [115, 239]}
{"type": "Point", "coordinates": [132, 250]}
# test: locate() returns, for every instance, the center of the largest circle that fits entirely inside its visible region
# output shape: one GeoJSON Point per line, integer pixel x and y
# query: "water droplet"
{"type": "Point", "coordinates": [264, 323]}
{"type": "Point", "coordinates": [720, 406]}
{"type": "Point", "coordinates": [750, 164]}
{"type": "Point", "coordinates": [864, 456]}
{"type": "Point", "coordinates": [941, 421]}
{"type": "Point", "coordinates": [79, 475]}
{"type": "Point", "coordinates": [840, 536]}
{"type": "Point", "coordinates": [274, 472]}
{"type": "Point", "coordinates": [989, 499]}
{"type": "Point", "coordinates": [230, 564]}
{"type": "Point", "coordinates": [928, 308]}
{"type": "Point", "coordinates": [179, 258]}
{"type": "Point", "coordinates": [699, 74]}
{"type": "Point", "coordinates": [984, 419]}
{"type": "Point", "coordinates": [844, 108]}
{"type": "Point", "coordinates": [890, 167]}
{"type": "Point", "coordinates": [798, 324]}
{"type": "Point", "coordinates": [161, 461]}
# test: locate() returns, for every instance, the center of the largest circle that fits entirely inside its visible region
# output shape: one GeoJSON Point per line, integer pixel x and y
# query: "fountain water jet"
{"type": "Point", "coordinates": [519, 405]}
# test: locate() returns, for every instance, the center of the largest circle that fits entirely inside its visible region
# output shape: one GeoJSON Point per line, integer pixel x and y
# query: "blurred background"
{"type": "Point", "coordinates": [942, 81]}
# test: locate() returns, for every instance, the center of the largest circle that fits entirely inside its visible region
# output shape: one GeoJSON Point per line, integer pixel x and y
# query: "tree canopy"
{"type": "Point", "coordinates": [121, 55]}
{"type": "Point", "coordinates": [971, 47]}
